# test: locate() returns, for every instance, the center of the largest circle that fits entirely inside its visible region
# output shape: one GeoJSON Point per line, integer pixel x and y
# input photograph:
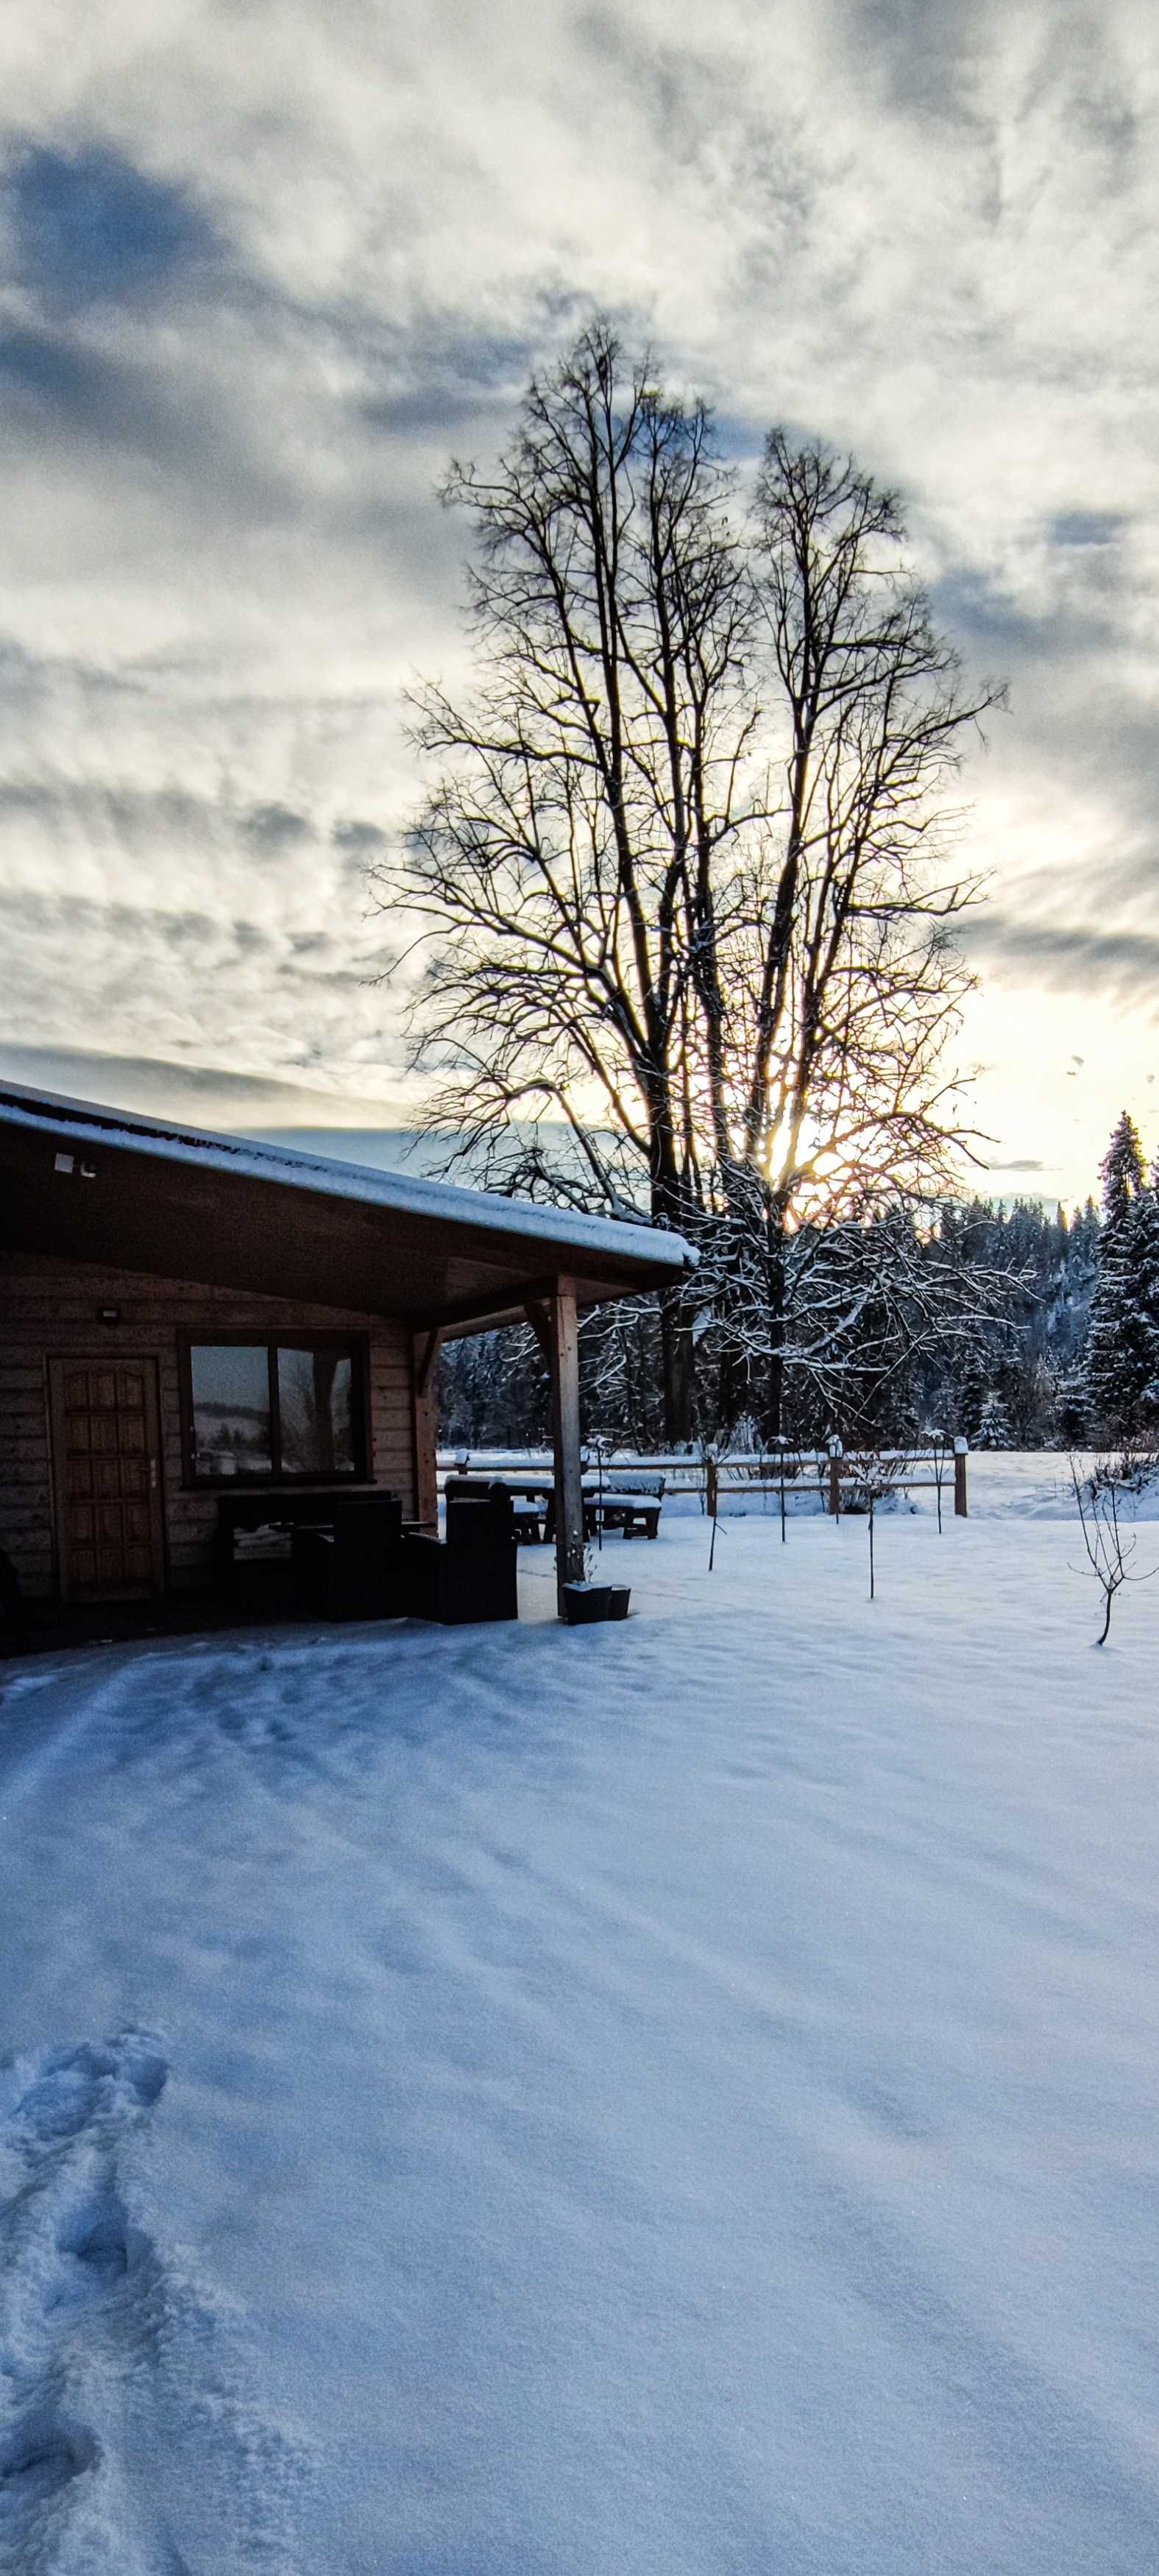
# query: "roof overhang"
{"type": "Point", "coordinates": [88, 1183]}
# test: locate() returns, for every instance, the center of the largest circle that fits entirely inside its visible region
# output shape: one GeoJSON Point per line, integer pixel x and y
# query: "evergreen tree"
{"type": "Point", "coordinates": [1122, 1358]}
{"type": "Point", "coordinates": [993, 1430]}
{"type": "Point", "coordinates": [1122, 1170]}
{"type": "Point", "coordinates": [1073, 1406]}
{"type": "Point", "coordinates": [1145, 1258]}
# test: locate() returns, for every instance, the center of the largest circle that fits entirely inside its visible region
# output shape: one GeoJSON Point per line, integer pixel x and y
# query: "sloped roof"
{"type": "Point", "coordinates": [145, 1193]}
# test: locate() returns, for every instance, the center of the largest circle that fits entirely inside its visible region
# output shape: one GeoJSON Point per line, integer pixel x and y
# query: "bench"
{"type": "Point", "coordinates": [268, 1551]}
{"type": "Point", "coordinates": [629, 1501]}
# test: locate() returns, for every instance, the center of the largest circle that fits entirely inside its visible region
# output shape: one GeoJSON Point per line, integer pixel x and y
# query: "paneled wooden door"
{"type": "Point", "coordinates": [107, 1470]}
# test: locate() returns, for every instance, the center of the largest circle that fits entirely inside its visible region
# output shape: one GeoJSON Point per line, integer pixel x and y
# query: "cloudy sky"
{"type": "Point", "coordinates": [265, 265]}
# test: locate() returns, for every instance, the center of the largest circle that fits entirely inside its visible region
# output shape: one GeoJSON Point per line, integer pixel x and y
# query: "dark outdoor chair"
{"type": "Point", "coordinates": [471, 1573]}
{"type": "Point", "coordinates": [472, 1489]}
{"type": "Point", "coordinates": [630, 1502]}
{"type": "Point", "coordinates": [12, 1618]}
{"type": "Point", "coordinates": [353, 1568]}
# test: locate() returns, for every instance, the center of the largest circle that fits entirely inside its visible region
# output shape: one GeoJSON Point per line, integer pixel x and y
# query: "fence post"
{"type": "Point", "coordinates": [712, 1481]}
{"type": "Point", "coordinates": [961, 1448]}
{"type": "Point", "coordinates": [835, 1479]}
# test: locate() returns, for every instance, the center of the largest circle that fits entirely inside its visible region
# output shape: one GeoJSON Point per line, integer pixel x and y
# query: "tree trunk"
{"type": "Point", "coordinates": [678, 1360]}
{"type": "Point", "coordinates": [735, 1389]}
{"type": "Point", "coordinates": [678, 1355]}
{"type": "Point", "coordinates": [773, 1407]}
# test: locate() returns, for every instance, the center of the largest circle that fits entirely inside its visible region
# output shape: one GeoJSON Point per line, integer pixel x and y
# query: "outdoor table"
{"type": "Point", "coordinates": [532, 1489]}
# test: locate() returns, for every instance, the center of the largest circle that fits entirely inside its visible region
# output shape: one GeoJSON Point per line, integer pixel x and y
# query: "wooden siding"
{"type": "Point", "coordinates": [49, 1305]}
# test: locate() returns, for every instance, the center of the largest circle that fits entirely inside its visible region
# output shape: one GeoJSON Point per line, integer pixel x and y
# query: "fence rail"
{"type": "Point", "coordinates": [842, 1478]}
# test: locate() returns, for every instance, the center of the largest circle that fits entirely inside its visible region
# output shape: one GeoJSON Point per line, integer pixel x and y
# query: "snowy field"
{"type": "Point", "coordinates": [668, 2100]}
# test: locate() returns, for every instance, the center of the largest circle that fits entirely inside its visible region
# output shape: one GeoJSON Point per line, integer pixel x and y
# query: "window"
{"type": "Point", "coordinates": [275, 1410]}
{"type": "Point", "coordinates": [314, 1401]}
{"type": "Point", "coordinates": [232, 1420]}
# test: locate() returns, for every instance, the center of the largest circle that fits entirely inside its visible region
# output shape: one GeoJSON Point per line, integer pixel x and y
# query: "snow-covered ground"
{"type": "Point", "coordinates": [666, 2100]}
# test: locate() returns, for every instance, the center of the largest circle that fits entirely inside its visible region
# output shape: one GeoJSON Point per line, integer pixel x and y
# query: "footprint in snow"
{"type": "Point", "coordinates": [108, 2352]}
{"type": "Point", "coordinates": [69, 2256]}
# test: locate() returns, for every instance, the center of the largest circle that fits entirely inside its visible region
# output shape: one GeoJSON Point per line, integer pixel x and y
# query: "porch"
{"type": "Point", "coordinates": [187, 1319]}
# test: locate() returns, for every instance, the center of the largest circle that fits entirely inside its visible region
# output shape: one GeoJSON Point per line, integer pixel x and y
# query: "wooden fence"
{"type": "Point", "coordinates": [843, 1479]}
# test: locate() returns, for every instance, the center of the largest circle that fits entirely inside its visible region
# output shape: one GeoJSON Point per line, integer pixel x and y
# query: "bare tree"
{"type": "Point", "coordinates": [680, 872]}
{"type": "Point", "coordinates": [850, 980]}
{"type": "Point", "coordinates": [1109, 1549]}
{"type": "Point", "coordinates": [604, 761]}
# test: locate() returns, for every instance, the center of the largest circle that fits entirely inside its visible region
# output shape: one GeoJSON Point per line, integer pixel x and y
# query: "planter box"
{"type": "Point", "coordinates": [584, 1603]}
{"type": "Point", "coordinates": [621, 1594]}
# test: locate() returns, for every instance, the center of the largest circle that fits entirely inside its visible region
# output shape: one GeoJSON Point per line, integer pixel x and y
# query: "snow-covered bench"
{"type": "Point", "coordinates": [629, 1501]}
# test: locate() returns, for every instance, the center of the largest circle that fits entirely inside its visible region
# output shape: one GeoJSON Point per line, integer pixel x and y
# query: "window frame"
{"type": "Point", "coordinates": [353, 1346]}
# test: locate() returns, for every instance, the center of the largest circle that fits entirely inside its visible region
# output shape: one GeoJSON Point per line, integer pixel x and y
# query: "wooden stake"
{"type": "Point", "coordinates": [565, 1438]}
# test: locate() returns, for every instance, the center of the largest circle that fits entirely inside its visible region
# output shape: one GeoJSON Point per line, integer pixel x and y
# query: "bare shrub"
{"type": "Point", "coordinates": [1110, 1548]}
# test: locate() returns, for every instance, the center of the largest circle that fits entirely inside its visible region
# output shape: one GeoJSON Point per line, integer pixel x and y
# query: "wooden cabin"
{"type": "Point", "coordinates": [187, 1316]}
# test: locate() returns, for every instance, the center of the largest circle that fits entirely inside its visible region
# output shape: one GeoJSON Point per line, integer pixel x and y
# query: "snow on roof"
{"type": "Point", "coordinates": [90, 1122]}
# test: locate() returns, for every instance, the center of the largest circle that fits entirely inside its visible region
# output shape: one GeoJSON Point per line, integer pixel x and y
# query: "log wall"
{"type": "Point", "coordinates": [49, 1306]}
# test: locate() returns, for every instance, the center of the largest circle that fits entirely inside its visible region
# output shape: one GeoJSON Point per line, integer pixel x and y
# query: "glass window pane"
{"type": "Point", "coordinates": [231, 1409]}
{"type": "Point", "coordinates": [315, 1396]}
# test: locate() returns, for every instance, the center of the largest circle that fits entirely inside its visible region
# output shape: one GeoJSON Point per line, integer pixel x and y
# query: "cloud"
{"type": "Point", "coordinates": [133, 923]}
{"type": "Point", "coordinates": [388, 1149]}
{"type": "Point", "coordinates": [79, 390]}
{"type": "Point", "coordinates": [126, 810]}
{"type": "Point", "coordinates": [440, 379]}
{"type": "Point", "coordinates": [96, 407]}
{"type": "Point", "coordinates": [1086, 527]}
{"type": "Point", "coordinates": [983, 615]}
{"type": "Point", "coordinates": [1122, 965]}
{"type": "Point", "coordinates": [270, 829]}
{"type": "Point", "coordinates": [88, 227]}
{"type": "Point", "coordinates": [358, 840]}
{"type": "Point", "coordinates": [198, 1094]}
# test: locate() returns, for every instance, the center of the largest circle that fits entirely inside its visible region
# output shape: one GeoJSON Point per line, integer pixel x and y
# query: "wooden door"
{"type": "Point", "coordinates": [107, 1474]}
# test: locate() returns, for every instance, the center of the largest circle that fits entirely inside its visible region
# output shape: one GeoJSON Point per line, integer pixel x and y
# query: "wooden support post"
{"type": "Point", "coordinates": [565, 1438]}
{"type": "Point", "coordinates": [424, 1353]}
{"type": "Point", "coordinates": [540, 1322]}
{"type": "Point", "coordinates": [835, 1486]}
{"type": "Point", "coordinates": [960, 1512]}
{"type": "Point", "coordinates": [712, 1480]}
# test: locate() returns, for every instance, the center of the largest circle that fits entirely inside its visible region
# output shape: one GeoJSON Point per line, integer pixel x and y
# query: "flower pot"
{"type": "Point", "coordinates": [584, 1603]}
{"type": "Point", "coordinates": [621, 1594]}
